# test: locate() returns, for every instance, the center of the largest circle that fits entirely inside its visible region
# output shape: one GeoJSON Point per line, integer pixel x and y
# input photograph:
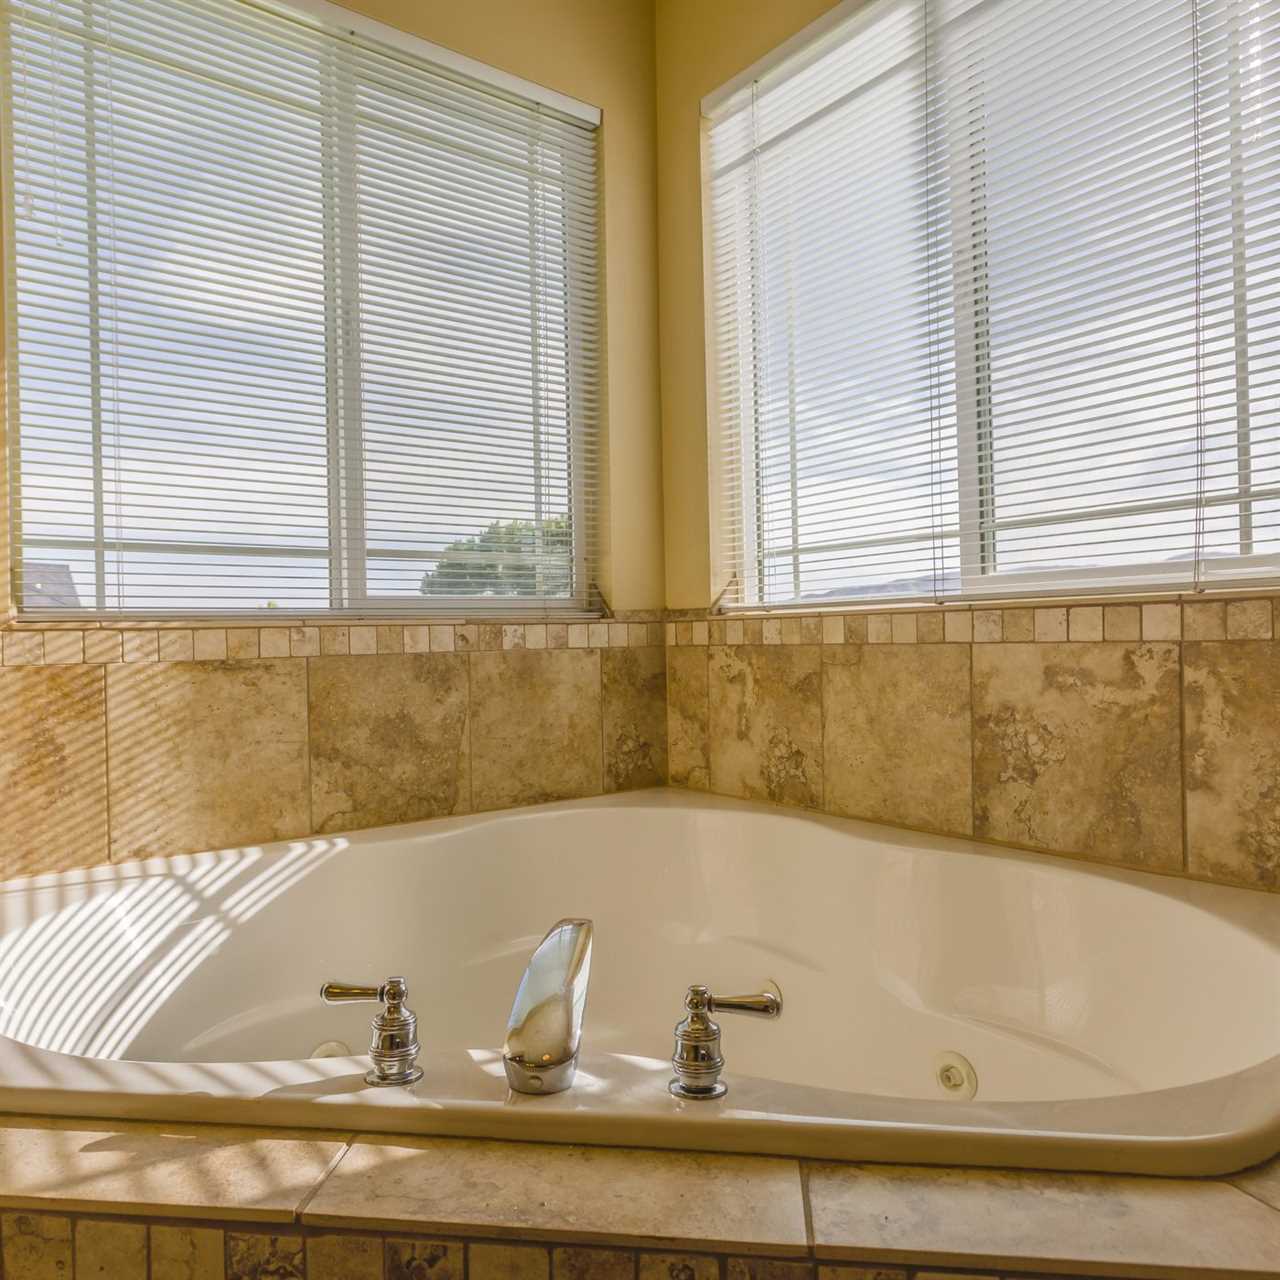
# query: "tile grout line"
{"type": "Point", "coordinates": [1182, 756]}
{"type": "Point", "coordinates": [305, 1203]}
{"type": "Point", "coordinates": [106, 767]}
{"type": "Point", "coordinates": [807, 1208]}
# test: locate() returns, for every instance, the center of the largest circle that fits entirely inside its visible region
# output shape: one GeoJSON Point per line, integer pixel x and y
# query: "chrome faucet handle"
{"type": "Point", "coordinates": [697, 1060]}
{"type": "Point", "coordinates": [393, 1045]}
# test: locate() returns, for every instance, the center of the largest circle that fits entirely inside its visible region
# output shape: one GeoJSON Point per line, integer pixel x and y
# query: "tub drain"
{"type": "Point", "coordinates": [955, 1075]}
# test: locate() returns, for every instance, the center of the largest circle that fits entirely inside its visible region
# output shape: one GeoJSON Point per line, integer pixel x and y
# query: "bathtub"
{"type": "Point", "coordinates": [1113, 1020]}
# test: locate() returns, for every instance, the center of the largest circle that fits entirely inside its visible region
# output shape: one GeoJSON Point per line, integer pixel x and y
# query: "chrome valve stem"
{"type": "Point", "coordinates": [394, 1043]}
{"type": "Point", "coordinates": [697, 1060]}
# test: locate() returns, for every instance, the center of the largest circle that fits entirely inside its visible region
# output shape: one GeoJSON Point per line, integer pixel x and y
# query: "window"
{"type": "Point", "coordinates": [303, 320]}
{"type": "Point", "coordinates": [995, 302]}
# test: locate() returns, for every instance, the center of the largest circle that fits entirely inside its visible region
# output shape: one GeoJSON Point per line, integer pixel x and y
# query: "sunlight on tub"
{"type": "Point", "coordinates": [128, 938]}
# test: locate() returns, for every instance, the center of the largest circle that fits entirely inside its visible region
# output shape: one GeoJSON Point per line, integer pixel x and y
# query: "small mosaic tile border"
{"type": "Point", "coordinates": [25, 647]}
{"type": "Point", "coordinates": [1257, 619]}
{"type": "Point", "coordinates": [38, 1245]}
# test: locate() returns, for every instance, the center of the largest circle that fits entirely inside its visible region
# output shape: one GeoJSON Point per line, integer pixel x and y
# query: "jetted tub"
{"type": "Point", "coordinates": [1115, 1020]}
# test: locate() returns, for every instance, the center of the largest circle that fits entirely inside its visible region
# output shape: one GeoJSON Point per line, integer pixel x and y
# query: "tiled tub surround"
{"type": "Point", "coordinates": [1087, 999]}
{"type": "Point", "coordinates": [120, 743]}
{"type": "Point", "coordinates": [90, 1201]}
{"type": "Point", "coordinates": [1144, 735]}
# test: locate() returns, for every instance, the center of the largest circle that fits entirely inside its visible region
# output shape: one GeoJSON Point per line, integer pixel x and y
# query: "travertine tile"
{"type": "Point", "coordinates": [904, 628]}
{"type": "Point", "coordinates": [1246, 620]}
{"type": "Point", "coordinates": [1018, 625]}
{"type": "Point", "coordinates": [593, 1195]}
{"type": "Point", "coordinates": [103, 646]}
{"type": "Point", "coordinates": [988, 626]}
{"type": "Point", "coordinates": [753, 631]}
{"type": "Point", "coordinates": [62, 647]}
{"type": "Point", "coordinates": [634, 689]}
{"type": "Point", "coordinates": [535, 635]}
{"type": "Point", "coordinates": [767, 1269]}
{"type": "Point", "coordinates": [304, 642]}
{"type": "Point", "coordinates": [536, 726]}
{"type": "Point", "coordinates": [210, 644]}
{"type": "Point", "coordinates": [832, 630]}
{"type": "Point", "coordinates": [183, 1171]}
{"type": "Point", "coordinates": [677, 1266]}
{"type": "Point", "coordinates": [929, 628]}
{"type": "Point", "coordinates": [770, 633]}
{"type": "Point", "coordinates": [688, 709]}
{"type": "Point", "coordinates": [700, 633]}
{"type": "Point", "coordinates": [957, 626]}
{"type": "Point", "coordinates": [574, 1262]}
{"type": "Point", "coordinates": [176, 646]}
{"type": "Point", "coordinates": [37, 1246]}
{"type": "Point", "coordinates": [253, 1255]}
{"type": "Point", "coordinates": [273, 642]}
{"type": "Point", "coordinates": [1232, 750]}
{"type": "Point", "coordinates": [333, 640]}
{"type": "Point", "coordinates": [344, 1257]}
{"type": "Point", "coordinates": [1050, 625]}
{"type": "Point", "coordinates": [389, 739]}
{"type": "Point", "coordinates": [1204, 620]}
{"type": "Point", "coordinates": [23, 648]}
{"type": "Point", "coordinates": [187, 1253]}
{"type": "Point", "coordinates": [361, 640]}
{"type": "Point", "coordinates": [897, 743]}
{"type": "Point", "coordinates": [424, 1260]}
{"type": "Point", "coordinates": [442, 638]}
{"type": "Point", "coordinates": [1162, 622]}
{"type": "Point", "coordinates": [791, 631]}
{"type": "Point", "coordinates": [110, 1250]}
{"type": "Point", "coordinates": [869, 1273]}
{"type": "Point", "coordinates": [1084, 622]}
{"type": "Point", "coordinates": [417, 639]}
{"type": "Point", "coordinates": [1262, 1182]}
{"type": "Point", "coordinates": [206, 755]}
{"type": "Point", "coordinates": [1076, 749]}
{"type": "Point", "coordinates": [242, 642]}
{"type": "Point", "coordinates": [598, 635]}
{"type": "Point", "coordinates": [1026, 1221]}
{"type": "Point", "coordinates": [1122, 622]}
{"type": "Point", "coordinates": [390, 638]}
{"type": "Point", "coordinates": [507, 1262]}
{"type": "Point", "coordinates": [53, 769]}
{"type": "Point", "coordinates": [879, 628]}
{"type": "Point", "coordinates": [855, 629]}
{"type": "Point", "coordinates": [144, 646]}
{"type": "Point", "coordinates": [466, 638]}
{"type": "Point", "coordinates": [766, 723]}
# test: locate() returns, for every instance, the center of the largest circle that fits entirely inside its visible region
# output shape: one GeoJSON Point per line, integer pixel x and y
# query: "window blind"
{"type": "Point", "coordinates": [302, 320]}
{"type": "Point", "coordinates": [993, 302]}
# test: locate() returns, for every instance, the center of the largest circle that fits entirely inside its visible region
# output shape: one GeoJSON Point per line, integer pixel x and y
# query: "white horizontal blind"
{"type": "Point", "coordinates": [301, 321]}
{"type": "Point", "coordinates": [994, 303]}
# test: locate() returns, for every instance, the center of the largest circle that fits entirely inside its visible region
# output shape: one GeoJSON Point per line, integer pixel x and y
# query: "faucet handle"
{"type": "Point", "coordinates": [697, 1060]}
{"type": "Point", "coordinates": [394, 1045]}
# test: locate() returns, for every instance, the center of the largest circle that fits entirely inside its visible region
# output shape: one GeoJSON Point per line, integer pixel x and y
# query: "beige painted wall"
{"type": "Point", "coordinates": [700, 44]}
{"type": "Point", "coordinates": [600, 51]}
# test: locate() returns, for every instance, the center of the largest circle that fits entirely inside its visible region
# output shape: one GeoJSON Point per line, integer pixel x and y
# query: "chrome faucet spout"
{"type": "Point", "coordinates": [544, 1032]}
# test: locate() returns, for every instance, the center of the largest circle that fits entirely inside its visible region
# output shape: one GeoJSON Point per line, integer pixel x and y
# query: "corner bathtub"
{"type": "Point", "coordinates": [1115, 1020]}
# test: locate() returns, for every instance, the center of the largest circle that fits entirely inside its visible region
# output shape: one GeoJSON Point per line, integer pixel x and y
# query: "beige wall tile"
{"type": "Point", "coordinates": [896, 745]}
{"type": "Point", "coordinates": [688, 763]}
{"type": "Point", "coordinates": [1050, 625]}
{"type": "Point", "coordinates": [700, 633]}
{"type": "Point", "coordinates": [879, 628]}
{"type": "Point", "coordinates": [767, 1269]}
{"type": "Point", "coordinates": [623, 1197]}
{"type": "Point", "coordinates": [1019, 625]}
{"type": "Point", "coordinates": [634, 684]}
{"type": "Point", "coordinates": [273, 642]}
{"type": "Point", "coordinates": [37, 1246]}
{"type": "Point", "coordinates": [467, 638]}
{"type": "Point", "coordinates": [210, 645]}
{"type": "Point", "coordinates": [1204, 620]}
{"type": "Point", "coordinates": [142, 646]}
{"type": "Point", "coordinates": [103, 646]}
{"type": "Point", "coordinates": [333, 640]}
{"type": "Point", "coordinates": [389, 739]}
{"type": "Point", "coordinates": [734, 631]}
{"type": "Point", "coordinates": [417, 639]}
{"type": "Point", "coordinates": [576, 1262]}
{"type": "Point", "coordinates": [254, 1255]}
{"type": "Point", "coordinates": [1028, 1221]}
{"type": "Point", "coordinates": [855, 628]}
{"type": "Point", "coordinates": [810, 631]}
{"type": "Point", "coordinates": [1076, 749]}
{"type": "Point", "coordinates": [442, 638]}
{"type": "Point", "coordinates": [598, 635]}
{"type": "Point", "coordinates": [535, 635]}
{"type": "Point", "coordinates": [870, 1272]}
{"type": "Point", "coordinates": [957, 626]}
{"type": "Point", "coordinates": [903, 628]}
{"type": "Point", "coordinates": [390, 638]}
{"type": "Point", "coordinates": [53, 769]}
{"type": "Point", "coordinates": [62, 647]}
{"type": "Point", "coordinates": [345, 1257]}
{"type": "Point", "coordinates": [110, 1250]}
{"type": "Point", "coordinates": [677, 1266]}
{"type": "Point", "coordinates": [832, 629]}
{"type": "Point", "coordinates": [791, 631]}
{"type": "Point", "coordinates": [753, 631]}
{"type": "Point", "coordinates": [1232, 750]}
{"type": "Point", "coordinates": [1246, 620]}
{"type": "Point", "coordinates": [771, 631]}
{"type": "Point", "coordinates": [929, 628]}
{"type": "Point", "coordinates": [988, 626]}
{"type": "Point", "coordinates": [1084, 622]}
{"type": "Point", "coordinates": [186, 1252]}
{"type": "Point", "coordinates": [206, 755]}
{"type": "Point", "coordinates": [304, 642]}
{"type": "Point", "coordinates": [766, 723]}
{"type": "Point", "coordinates": [242, 642]}
{"type": "Point", "coordinates": [361, 640]}
{"type": "Point", "coordinates": [579, 633]}
{"type": "Point", "coordinates": [638, 633]}
{"type": "Point", "coordinates": [424, 1259]}
{"type": "Point", "coordinates": [536, 726]}
{"type": "Point", "coordinates": [23, 648]}
{"type": "Point", "coordinates": [1162, 622]}
{"type": "Point", "coordinates": [163, 1170]}
{"type": "Point", "coordinates": [1122, 622]}
{"type": "Point", "coordinates": [176, 646]}
{"type": "Point", "coordinates": [507, 1262]}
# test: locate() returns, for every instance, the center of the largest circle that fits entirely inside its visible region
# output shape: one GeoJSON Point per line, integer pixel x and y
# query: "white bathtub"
{"type": "Point", "coordinates": [1116, 1020]}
